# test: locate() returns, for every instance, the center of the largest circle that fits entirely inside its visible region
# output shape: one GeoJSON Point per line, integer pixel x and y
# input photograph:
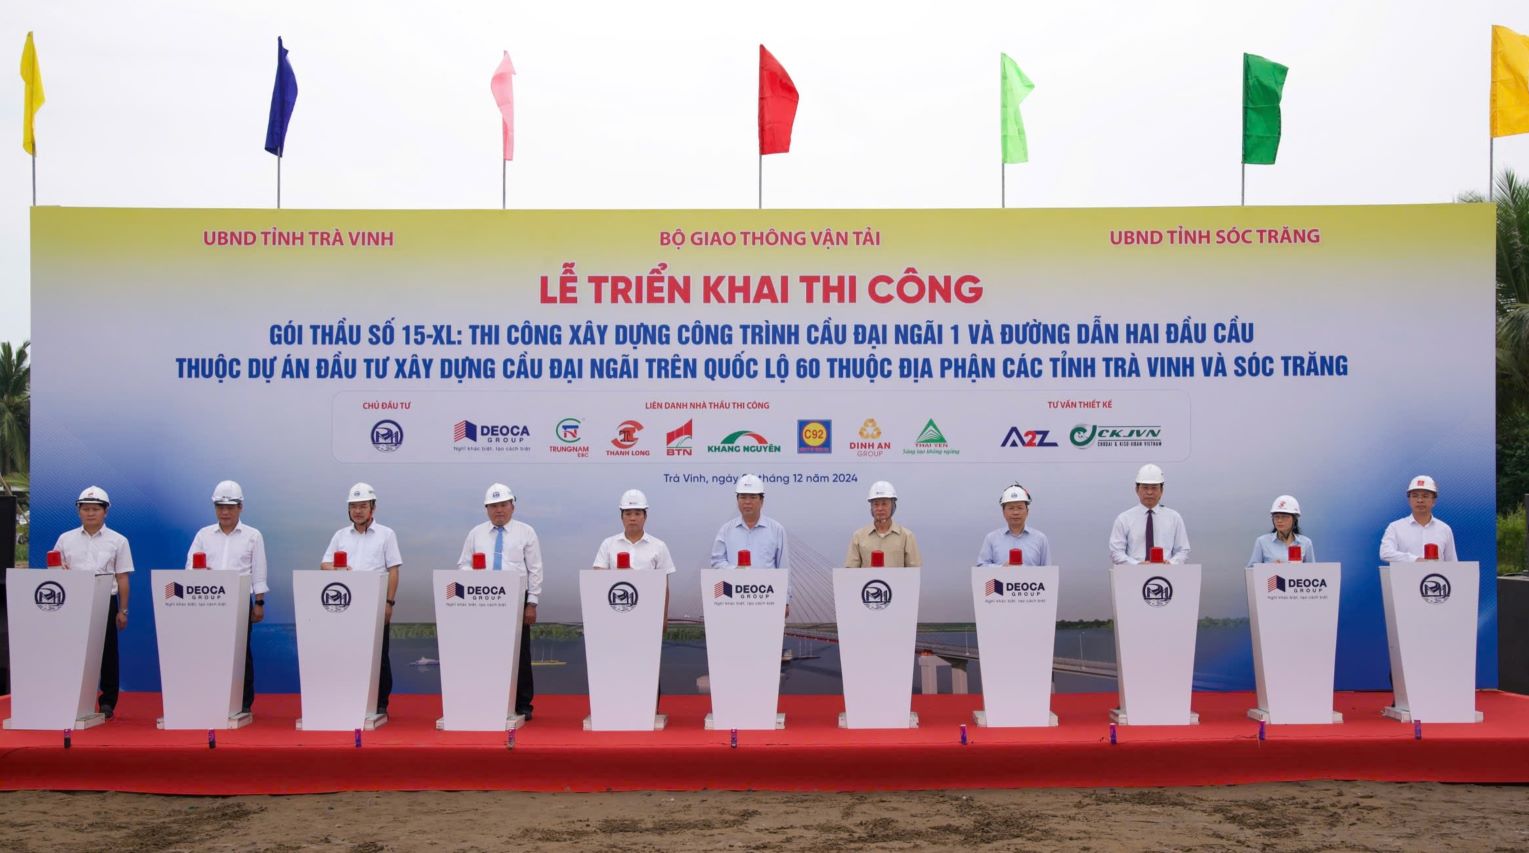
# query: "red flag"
{"type": "Point", "coordinates": [777, 105]}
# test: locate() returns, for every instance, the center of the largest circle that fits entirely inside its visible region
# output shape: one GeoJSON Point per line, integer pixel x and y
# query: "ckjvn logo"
{"type": "Point", "coordinates": [1157, 591]}
{"type": "Point", "coordinates": [49, 596]}
{"type": "Point", "coordinates": [742, 591]}
{"type": "Point", "coordinates": [474, 593]}
{"type": "Point", "coordinates": [1434, 588]}
{"type": "Point", "coordinates": [622, 596]}
{"type": "Point", "coordinates": [876, 595]}
{"type": "Point", "coordinates": [335, 597]}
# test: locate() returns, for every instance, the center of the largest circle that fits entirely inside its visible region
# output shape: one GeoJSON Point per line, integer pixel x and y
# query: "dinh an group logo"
{"type": "Point", "coordinates": [931, 442]}
{"type": "Point", "coordinates": [1084, 436]}
{"type": "Point", "coordinates": [624, 443]}
{"type": "Point", "coordinates": [1434, 588]}
{"type": "Point", "coordinates": [622, 596]}
{"type": "Point", "coordinates": [870, 444]}
{"type": "Point", "coordinates": [815, 436]}
{"type": "Point", "coordinates": [335, 597]}
{"type": "Point", "coordinates": [1157, 591]}
{"type": "Point", "coordinates": [726, 592]}
{"type": "Point", "coordinates": [478, 594]}
{"type": "Point", "coordinates": [473, 437]}
{"type": "Point", "coordinates": [387, 436]}
{"type": "Point", "coordinates": [569, 433]}
{"type": "Point", "coordinates": [1296, 587]}
{"type": "Point", "coordinates": [677, 441]}
{"type": "Point", "coordinates": [49, 596]}
{"type": "Point", "coordinates": [997, 591]}
{"type": "Point", "coordinates": [876, 595]}
{"type": "Point", "coordinates": [177, 594]}
{"type": "Point", "coordinates": [743, 441]}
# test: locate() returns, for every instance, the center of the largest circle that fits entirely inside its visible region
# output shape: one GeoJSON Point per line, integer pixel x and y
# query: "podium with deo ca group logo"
{"type": "Point", "coordinates": [201, 621]}
{"type": "Point", "coordinates": [57, 624]}
{"type": "Point", "coordinates": [478, 622]}
{"type": "Point", "coordinates": [1293, 610]}
{"type": "Point", "coordinates": [745, 613]}
{"type": "Point", "coordinates": [1015, 608]}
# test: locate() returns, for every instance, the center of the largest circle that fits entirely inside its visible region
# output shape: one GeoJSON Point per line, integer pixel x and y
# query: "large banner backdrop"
{"type": "Point", "coordinates": [1328, 353]}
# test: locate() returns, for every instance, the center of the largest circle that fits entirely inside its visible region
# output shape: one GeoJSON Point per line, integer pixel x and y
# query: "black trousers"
{"type": "Point", "coordinates": [249, 664]}
{"type": "Point", "coordinates": [111, 674]}
{"type": "Point", "coordinates": [385, 672]}
{"type": "Point", "coordinates": [525, 683]}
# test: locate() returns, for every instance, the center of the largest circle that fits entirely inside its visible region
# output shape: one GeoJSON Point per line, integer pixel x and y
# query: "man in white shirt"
{"type": "Point", "coordinates": [95, 548]}
{"type": "Point", "coordinates": [370, 547]}
{"type": "Point", "coordinates": [231, 545]}
{"type": "Point", "coordinates": [1406, 539]}
{"type": "Point", "coordinates": [1148, 525]}
{"type": "Point", "coordinates": [635, 548]}
{"type": "Point", "coordinates": [510, 546]}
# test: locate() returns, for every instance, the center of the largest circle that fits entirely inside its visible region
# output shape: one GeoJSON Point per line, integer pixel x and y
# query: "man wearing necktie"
{"type": "Point", "coordinates": [1148, 524]}
{"type": "Point", "coordinates": [510, 546]}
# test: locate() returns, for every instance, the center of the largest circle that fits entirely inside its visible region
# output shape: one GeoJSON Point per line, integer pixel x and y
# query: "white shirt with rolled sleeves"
{"type": "Point", "coordinates": [241, 550]}
{"type": "Point", "coordinates": [1128, 538]}
{"type": "Point", "coordinates": [1404, 540]}
{"type": "Point", "coordinates": [522, 553]}
{"type": "Point", "coordinates": [649, 553]}
{"type": "Point", "coordinates": [104, 552]}
{"type": "Point", "coordinates": [376, 550]}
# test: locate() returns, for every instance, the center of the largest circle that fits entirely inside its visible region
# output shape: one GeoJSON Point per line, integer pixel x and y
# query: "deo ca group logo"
{"type": "Point", "coordinates": [335, 597]}
{"type": "Point", "coordinates": [870, 444]}
{"type": "Point", "coordinates": [622, 596]}
{"type": "Point", "coordinates": [1100, 435]}
{"type": "Point", "coordinates": [677, 441]}
{"type": "Point", "coordinates": [1013, 590]}
{"type": "Point", "coordinates": [490, 437]}
{"type": "Point", "coordinates": [1296, 586]}
{"type": "Point", "coordinates": [569, 434]}
{"type": "Point", "coordinates": [743, 441]}
{"type": "Point", "coordinates": [177, 593]}
{"type": "Point", "coordinates": [1157, 591]}
{"type": "Point", "coordinates": [1434, 588]}
{"type": "Point", "coordinates": [387, 436]}
{"type": "Point", "coordinates": [474, 593]}
{"type": "Point", "coordinates": [931, 442]}
{"type": "Point", "coordinates": [876, 595]}
{"type": "Point", "coordinates": [1016, 437]}
{"type": "Point", "coordinates": [49, 596]}
{"type": "Point", "coordinates": [741, 591]}
{"type": "Point", "coordinates": [626, 439]}
{"type": "Point", "coordinates": [814, 436]}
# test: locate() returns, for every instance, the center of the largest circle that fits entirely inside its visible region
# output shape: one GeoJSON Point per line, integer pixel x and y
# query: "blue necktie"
{"type": "Point", "coordinates": [498, 548]}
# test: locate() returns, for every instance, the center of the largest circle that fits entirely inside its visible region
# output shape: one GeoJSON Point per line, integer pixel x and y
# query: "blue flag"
{"type": "Point", "coordinates": [283, 99]}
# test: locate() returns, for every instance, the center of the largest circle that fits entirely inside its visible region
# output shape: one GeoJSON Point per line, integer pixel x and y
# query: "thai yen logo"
{"type": "Point", "coordinates": [743, 441]}
{"type": "Point", "coordinates": [677, 441]}
{"type": "Point", "coordinates": [335, 597]}
{"type": "Point", "coordinates": [626, 435]}
{"type": "Point", "coordinates": [1157, 591]}
{"type": "Point", "coordinates": [930, 441]}
{"type": "Point", "coordinates": [49, 596]}
{"type": "Point", "coordinates": [1434, 588]}
{"type": "Point", "coordinates": [622, 596]}
{"type": "Point", "coordinates": [876, 595]}
{"type": "Point", "coordinates": [387, 436]}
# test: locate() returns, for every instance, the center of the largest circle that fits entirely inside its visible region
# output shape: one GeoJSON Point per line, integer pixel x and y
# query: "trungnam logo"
{"type": "Point", "coordinates": [1434, 588]}
{"type": "Point", "coordinates": [1013, 589]}
{"type": "Point", "coordinates": [335, 597]}
{"type": "Point", "coordinates": [1157, 591]}
{"type": "Point", "coordinates": [49, 596]}
{"type": "Point", "coordinates": [622, 596]}
{"type": "Point", "coordinates": [876, 595]}
{"type": "Point", "coordinates": [472, 593]}
{"type": "Point", "coordinates": [742, 591]}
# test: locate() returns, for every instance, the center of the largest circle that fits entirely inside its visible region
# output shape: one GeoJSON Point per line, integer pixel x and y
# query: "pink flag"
{"type": "Point", "coordinates": [503, 87]}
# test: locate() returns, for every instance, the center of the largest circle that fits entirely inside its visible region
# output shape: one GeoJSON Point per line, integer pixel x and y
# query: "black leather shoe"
{"type": "Point", "coordinates": [108, 711]}
{"type": "Point", "coordinates": [525, 713]}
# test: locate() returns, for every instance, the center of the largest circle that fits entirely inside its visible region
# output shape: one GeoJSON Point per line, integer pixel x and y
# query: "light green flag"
{"type": "Point", "coordinates": [1263, 84]}
{"type": "Point", "coordinates": [1015, 87]}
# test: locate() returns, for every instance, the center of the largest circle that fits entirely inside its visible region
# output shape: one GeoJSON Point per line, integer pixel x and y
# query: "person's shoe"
{"type": "Point", "coordinates": [525, 713]}
{"type": "Point", "coordinates": [108, 711]}
{"type": "Point", "coordinates": [245, 709]}
{"type": "Point", "coordinates": [382, 710]}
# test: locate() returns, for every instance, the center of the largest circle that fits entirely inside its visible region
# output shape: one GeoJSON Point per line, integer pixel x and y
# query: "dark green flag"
{"type": "Point", "coordinates": [1263, 82]}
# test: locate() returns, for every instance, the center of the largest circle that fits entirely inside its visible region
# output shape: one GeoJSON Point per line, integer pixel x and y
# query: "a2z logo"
{"type": "Point", "coordinates": [1027, 438]}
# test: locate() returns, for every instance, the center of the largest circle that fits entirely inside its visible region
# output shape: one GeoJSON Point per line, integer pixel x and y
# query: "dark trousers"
{"type": "Point", "coordinates": [249, 664]}
{"type": "Point", "coordinates": [111, 678]}
{"type": "Point", "coordinates": [385, 677]}
{"type": "Point", "coordinates": [525, 683]}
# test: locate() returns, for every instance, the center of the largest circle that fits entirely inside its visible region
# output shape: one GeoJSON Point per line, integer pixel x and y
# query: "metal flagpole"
{"type": "Point", "coordinates": [761, 181]}
{"type": "Point", "coordinates": [34, 173]}
{"type": "Point", "coordinates": [1491, 173]}
{"type": "Point", "coordinates": [278, 182]}
{"type": "Point", "coordinates": [1243, 199]}
{"type": "Point", "coordinates": [504, 177]}
{"type": "Point", "coordinates": [1003, 185]}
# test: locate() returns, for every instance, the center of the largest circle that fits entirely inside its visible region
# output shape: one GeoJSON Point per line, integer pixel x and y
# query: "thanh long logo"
{"type": "Point", "coordinates": [743, 441]}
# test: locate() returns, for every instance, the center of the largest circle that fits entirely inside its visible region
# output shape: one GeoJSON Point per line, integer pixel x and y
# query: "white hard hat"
{"type": "Point", "coordinates": [882, 489]}
{"type": "Point", "coordinates": [633, 499]}
{"type": "Point", "coordinates": [1422, 481]}
{"type": "Point", "coordinates": [1286, 504]}
{"type": "Point", "coordinates": [93, 495]}
{"type": "Point", "coordinates": [750, 484]}
{"type": "Point", "coordinates": [497, 493]}
{"type": "Point", "coordinates": [361, 492]}
{"type": "Point", "coordinates": [1014, 493]}
{"type": "Point", "coordinates": [1150, 474]}
{"type": "Point", "coordinates": [228, 493]}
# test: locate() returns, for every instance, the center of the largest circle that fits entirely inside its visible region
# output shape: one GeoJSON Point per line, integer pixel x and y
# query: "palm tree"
{"type": "Point", "coordinates": [15, 412]}
{"type": "Point", "coordinates": [1512, 196]}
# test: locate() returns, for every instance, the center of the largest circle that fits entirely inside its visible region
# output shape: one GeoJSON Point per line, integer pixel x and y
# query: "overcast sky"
{"type": "Point", "coordinates": [653, 105]}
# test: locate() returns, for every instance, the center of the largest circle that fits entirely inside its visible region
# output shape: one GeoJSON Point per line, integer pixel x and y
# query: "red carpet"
{"type": "Point", "coordinates": [811, 754]}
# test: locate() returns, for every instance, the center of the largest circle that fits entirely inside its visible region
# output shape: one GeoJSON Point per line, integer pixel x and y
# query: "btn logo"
{"type": "Point", "coordinates": [49, 596]}
{"type": "Point", "coordinates": [1434, 588]}
{"type": "Point", "coordinates": [622, 596]}
{"type": "Point", "coordinates": [677, 441]}
{"type": "Point", "coordinates": [814, 436]}
{"type": "Point", "coordinates": [1157, 591]}
{"type": "Point", "coordinates": [387, 436]}
{"type": "Point", "coordinates": [335, 597]}
{"type": "Point", "coordinates": [876, 595]}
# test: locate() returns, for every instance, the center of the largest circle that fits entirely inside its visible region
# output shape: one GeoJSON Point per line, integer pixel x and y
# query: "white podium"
{"type": "Point", "coordinates": [1016, 638]}
{"type": "Point", "coordinates": [478, 619]}
{"type": "Point", "coordinates": [745, 613]}
{"type": "Point", "coordinates": [339, 647]}
{"type": "Point", "coordinates": [877, 610]}
{"type": "Point", "coordinates": [201, 620]}
{"type": "Point", "coordinates": [57, 625]}
{"type": "Point", "coordinates": [1431, 633]}
{"type": "Point", "coordinates": [1157, 610]}
{"type": "Point", "coordinates": [1293, 608]}
{"type": "Point", "coordinates": [623, 635]}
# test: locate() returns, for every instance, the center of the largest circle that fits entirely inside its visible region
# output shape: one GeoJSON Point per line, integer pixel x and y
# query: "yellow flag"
{"type": "Point", "coordinates": [32, 76]}
{"type": "Point", "coordinates": [1510, 82]}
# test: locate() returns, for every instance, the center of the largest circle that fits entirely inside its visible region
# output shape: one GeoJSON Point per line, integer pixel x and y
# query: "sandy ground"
{"type": "Point", "coordinates": [1294, 816]}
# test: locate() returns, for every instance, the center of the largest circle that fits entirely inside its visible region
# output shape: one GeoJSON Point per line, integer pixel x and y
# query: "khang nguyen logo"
{"type": "Point", "coordinates": [931, 442]}
{"type": "Point", "coordinates": [743, 441]}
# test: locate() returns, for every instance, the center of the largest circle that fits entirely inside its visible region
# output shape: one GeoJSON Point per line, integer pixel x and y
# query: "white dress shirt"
{"type": "Point", "coordinates": [104, 552]}
{"type": "Point", "coordinates": [241, 550]}
{"type": "Point", "coordinates": [376, 550]}
{"type": "Point", "coordinates": [649, 553]}
{"type": "Point", "coordinates": [1404, 540]}
{"type": "Point", "coordinates": [1128, 538]}
{"type": "Point", "coordinates": [522, 553]}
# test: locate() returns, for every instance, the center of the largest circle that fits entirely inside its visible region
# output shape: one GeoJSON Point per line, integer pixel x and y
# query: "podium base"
{"type": "Point", "coordinates": [514, 721]}
{"type": "Point", "coordinates": [1262, 716]}
{"type": "Point", "coordinates": [1404, 715]}
{"type": "Point", "coordinates": [780, 723]}
{"type": "Point", "coordinates": [980, 718]}
{"type": "Point", "coordinates": [659, 722]}
{"type": "Point", "coordinates": [235, 721]}
{"type": "Point", "coordinates": [372, 722]}
{"type": "Point", "coordinates": [85, 722]}
{"type": "Point", "coordinates": [844, 720]}
{"type": "Point", "coordinates": [1118, 717]}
